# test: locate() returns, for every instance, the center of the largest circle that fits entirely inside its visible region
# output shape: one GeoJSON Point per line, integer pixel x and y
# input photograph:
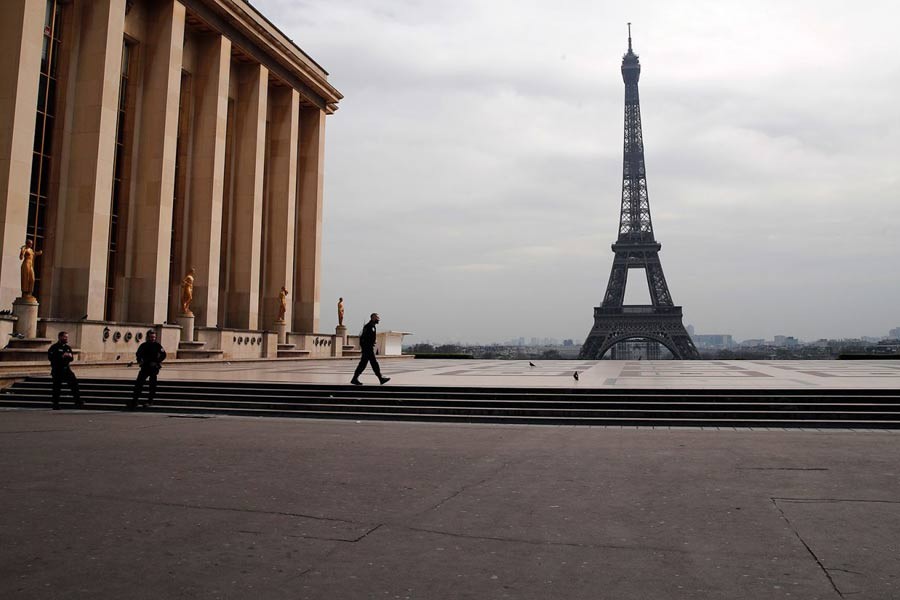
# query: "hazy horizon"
{"type": "Point", "coordinates": [473, 169]}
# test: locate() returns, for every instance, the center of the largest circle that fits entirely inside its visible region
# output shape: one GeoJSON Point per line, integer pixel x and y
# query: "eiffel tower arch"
{"type": "Point", "coordinates": [636, 248]}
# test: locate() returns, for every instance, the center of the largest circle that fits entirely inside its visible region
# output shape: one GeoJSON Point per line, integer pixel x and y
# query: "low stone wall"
{"type": "Point", "coordinates": [99, 340]}
{"type": "Point", "coordinates": [319, 345]}
{"type": "Point", "coordinates": [236, 343]}
{"type": "Point", "coordinates": [104, 341]}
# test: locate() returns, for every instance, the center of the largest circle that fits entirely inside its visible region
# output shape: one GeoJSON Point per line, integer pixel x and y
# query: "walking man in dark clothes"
{"type": "Point", "coordinates": [367, 345]}
{"type": "Point", "coordinates": [60, 356]}
{"type": "Point", "coordinates": [150, 356]}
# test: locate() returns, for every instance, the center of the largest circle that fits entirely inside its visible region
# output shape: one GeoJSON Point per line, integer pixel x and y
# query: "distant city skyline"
{"type": "Point", "coordinates": [893, 333]}
{"type": "Point", "coordinates": [472, 176]}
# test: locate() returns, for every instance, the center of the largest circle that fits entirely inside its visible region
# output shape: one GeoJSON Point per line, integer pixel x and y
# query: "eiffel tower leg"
{"type": "Point", "coordinates": [596, 340]}
{"type": "Point", "coordinates": [685, 345]}
{"type": "Point", "coordinates": [615, 289]}
{"type": "Point", "coordinates": [656, 280]}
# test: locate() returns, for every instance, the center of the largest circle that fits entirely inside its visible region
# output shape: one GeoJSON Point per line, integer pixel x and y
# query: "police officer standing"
{"type": "Point", "coordinates": [367, 347]}
{"type": "Point", "coordinates": [150, 356]}
{"type": "Point", "coordinates": [60, 356]}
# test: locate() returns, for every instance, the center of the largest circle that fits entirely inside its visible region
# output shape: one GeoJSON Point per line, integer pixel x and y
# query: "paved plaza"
{"type": "Point", "coordinates": [155, 506]}
{"type": "Point", "coordinates": [666, 374]}
{"type": "Point", "coordinates": [151, 505]}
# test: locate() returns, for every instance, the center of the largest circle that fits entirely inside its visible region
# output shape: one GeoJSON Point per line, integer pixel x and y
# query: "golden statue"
{"type": "Point", "coordinates": [282, 303]}
{"type": "Point", "coordinates": [340, 312]}
{"type": "Point", "coordinates": [187, 293]}
{"type": "Point", "coordinates": [26, 255]}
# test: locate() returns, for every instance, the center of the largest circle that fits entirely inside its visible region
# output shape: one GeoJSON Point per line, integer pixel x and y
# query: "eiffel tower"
{"type": "Point", "coordinates": [636, 248]}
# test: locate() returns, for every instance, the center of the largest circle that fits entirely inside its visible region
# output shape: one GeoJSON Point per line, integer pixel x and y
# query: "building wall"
{"type": "Point", "coordinates": [199, 146]}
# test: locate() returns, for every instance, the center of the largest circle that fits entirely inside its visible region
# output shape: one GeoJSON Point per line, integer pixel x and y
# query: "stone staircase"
{"type": "Point", "coordinates": [29, 350]}
{"type": "Point", "coordinates": [197, 350]}
{"type": "Point", "coordinates": [291, 351]}
{"type": "Point", "coordinates": [722, 408]}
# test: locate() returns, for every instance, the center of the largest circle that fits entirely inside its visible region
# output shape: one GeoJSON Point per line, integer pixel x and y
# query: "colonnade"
{"type": "Point", "coordinates": [220, 161]}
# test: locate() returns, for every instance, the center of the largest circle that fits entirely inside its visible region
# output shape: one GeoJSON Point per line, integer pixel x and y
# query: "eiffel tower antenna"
{"type": "Point", "coordinates": [636, 248]}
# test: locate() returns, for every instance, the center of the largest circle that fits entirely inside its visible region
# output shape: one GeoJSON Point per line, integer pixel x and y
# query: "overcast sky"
{"type": "Point", "coordinates": [473, 170]}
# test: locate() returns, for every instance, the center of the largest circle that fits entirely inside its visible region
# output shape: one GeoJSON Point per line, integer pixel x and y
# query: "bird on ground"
{"type": "Point", "coordinates": [530, 364]}
{"type": "Point", "coordinates": [575, 375]}
{"type": "Point", "coordinates": [18, 336]}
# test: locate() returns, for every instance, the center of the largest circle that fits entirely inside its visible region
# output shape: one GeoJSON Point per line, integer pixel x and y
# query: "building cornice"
{"type": "Point", "coordinates": [257, 37]}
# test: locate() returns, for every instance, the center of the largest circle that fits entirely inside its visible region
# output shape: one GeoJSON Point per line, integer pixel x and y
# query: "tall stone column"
{"type": "Point", "coordinates": [83, 205]}
{"type": "Point", "coordinates": [309, 244]}
{"type": "Point", "coordinates": [278, 255]}
{"type": "Point", "coordinates": [207, 176]}
{"type": "Point", "coordinates": [21, 36]}
{"type": "Point", "coordinates": [148, 280]}
{"type": "Point", "coordinates": [246, 218]}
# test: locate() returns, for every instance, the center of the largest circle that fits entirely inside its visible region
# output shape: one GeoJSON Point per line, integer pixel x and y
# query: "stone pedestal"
{"type": "Point", "coordinates": [281, 330]}
{"type": "Point", "coordinates": [26, 309]}
{"type": "Point", "coordinates": [341, 332]}
{"type": "Point", "coordinates": [187, 327]}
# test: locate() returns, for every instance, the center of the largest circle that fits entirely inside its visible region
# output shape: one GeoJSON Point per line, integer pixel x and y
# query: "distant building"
{"type": "Point", "coordinates": [894, 333]}
{"type": "Point", "coordinates": [718, 341]}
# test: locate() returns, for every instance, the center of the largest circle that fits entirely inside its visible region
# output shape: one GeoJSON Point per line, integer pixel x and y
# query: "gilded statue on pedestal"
{"type": "Point", "coordinates": [187, 293]}
{"type": "Point", "coordinates": [26, 255]}
{"type": "Point", "coordinates": [282, 303]}
{"type": "Point", "coordinates": [340, 312]}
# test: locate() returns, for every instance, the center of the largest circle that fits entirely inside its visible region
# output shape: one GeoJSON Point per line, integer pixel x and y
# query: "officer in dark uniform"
{"type": "Point", "coordinates": [367, 346]}
{"type": "Point", "coordinates": [60, 356]}
{"type": "Point", "coordinates": [150, 356]}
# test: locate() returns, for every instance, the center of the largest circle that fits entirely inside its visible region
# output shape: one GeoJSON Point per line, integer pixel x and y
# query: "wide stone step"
{"type": "Point", "coordinates": [199, 353]}
{"type": "Point", "coordinates": [261, 395]}
{"type": "Point", "coordinates": [772, 408]}
{"type": "Point", "coordinates": [33, 343]}
{"type": "Point", "coordinates": [292, 353]}
{"type": "Point", "coordinates": [188, 345]}
{"type": "Point", "coordinates": [874, 413]}
{"type": "Point", "coordinates": [444, 416]}
{"type": "Point", "coordinates": [26, 354]}
{"type": "Point", "coordinates": [257, 389]}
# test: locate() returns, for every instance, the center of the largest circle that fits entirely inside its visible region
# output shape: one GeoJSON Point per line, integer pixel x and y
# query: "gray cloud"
{"type": "Point", "coordinates": [473, 171]}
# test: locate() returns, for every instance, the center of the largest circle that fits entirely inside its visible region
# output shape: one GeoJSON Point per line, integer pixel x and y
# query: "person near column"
{"type": "Point", "coordinates": [61, 356]}
{"type": "Point", "coordinates": [150, 356]}
{"type": "Point", "coordinates": [367, 346]}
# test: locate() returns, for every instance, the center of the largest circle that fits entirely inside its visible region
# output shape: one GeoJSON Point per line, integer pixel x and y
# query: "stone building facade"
{"type": "Point", "coordinates": [142, 138]}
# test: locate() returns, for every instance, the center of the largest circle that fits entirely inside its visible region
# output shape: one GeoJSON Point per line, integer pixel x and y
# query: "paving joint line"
{"type": "Point", "coordinates": [808, 549]}
{"type": "Point", "coordinates": [465, 488]}
{"type": "Point", "coordinates": [542, 542]}
{"type": "Point", "coordinates": [200, 507]}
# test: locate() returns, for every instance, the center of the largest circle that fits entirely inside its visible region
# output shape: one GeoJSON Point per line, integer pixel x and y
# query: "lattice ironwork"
{"type": "Point", "coordinates": [636, 248]}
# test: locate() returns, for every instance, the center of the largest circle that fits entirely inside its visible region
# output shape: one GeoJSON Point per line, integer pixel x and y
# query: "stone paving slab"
{"type": "Point", "coordinates": [605, 374]}
{"type": "Point", "coordinates": [124, 505]}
